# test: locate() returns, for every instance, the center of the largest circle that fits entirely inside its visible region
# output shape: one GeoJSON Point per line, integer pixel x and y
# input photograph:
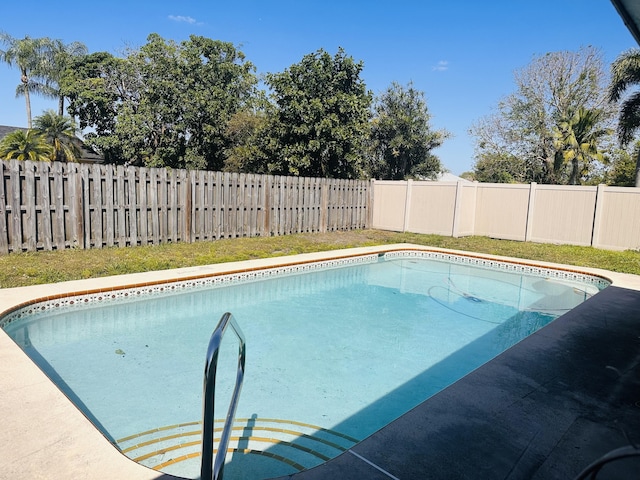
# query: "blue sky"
{"type": "Point", "coordinates": [461, 54]}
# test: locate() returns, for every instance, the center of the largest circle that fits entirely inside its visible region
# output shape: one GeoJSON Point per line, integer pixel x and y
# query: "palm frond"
{"type": "Point", "coordinates": [25, 145]}
{"type": "Point", "coordinates": [59, 132]}
{"type": "Point", "coordinates": [629, 119]}
{"type": "Point", "coordinates": [625, 71]}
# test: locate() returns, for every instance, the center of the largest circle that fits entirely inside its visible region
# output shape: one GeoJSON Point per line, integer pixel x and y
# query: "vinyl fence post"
{"type": "Point", "coordinates": [370, 203]}
{"type": "Point", "coordinates": [457, 211]}
{"type": "Point", "coordinates": [597, 216]}
{"type": "Point", "coordinates": [529, 225]}
{"type": "Point", "coordinates": [407, 206]}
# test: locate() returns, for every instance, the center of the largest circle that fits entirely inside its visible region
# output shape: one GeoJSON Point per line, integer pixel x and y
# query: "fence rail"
{"type": "Point", "coordinates": [53, 206]}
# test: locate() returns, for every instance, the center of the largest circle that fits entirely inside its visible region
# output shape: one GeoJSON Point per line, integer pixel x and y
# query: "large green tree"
{"type": "Point", "coordinates": [25, 145]}
{"type": "Point", "coordinates": [549, 91]}
{"type": "Point", "coordinates": [216, 83]}
{"type": "Point", "coordinates": [59, 132]}
{"type": "Point", "coordinates": [625, 74]}
{"type": "Point", "coordinates": [29, 55]}
{"type": "Point", "coordinates": [402, 139]}
{"type": "Point", "coordinates": [320, 122]}
{"type": "Point", "coordinates": [99, 86]}
{"type": "Point", "coordinates": [164, 104]}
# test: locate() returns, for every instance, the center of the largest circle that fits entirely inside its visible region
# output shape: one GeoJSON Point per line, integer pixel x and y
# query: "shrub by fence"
{"type": "Point", "coordinates": [46, 206]}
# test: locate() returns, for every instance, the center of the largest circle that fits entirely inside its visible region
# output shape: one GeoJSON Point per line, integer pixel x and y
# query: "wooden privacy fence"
{"type": "Point", "coordinates": [47, 206]}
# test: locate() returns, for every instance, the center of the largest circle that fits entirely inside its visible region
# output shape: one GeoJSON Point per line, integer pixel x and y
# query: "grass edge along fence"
{"type": "Point", "coordinates": [55, 206]}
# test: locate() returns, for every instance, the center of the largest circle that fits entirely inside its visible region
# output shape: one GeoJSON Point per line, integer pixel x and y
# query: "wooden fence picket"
{"type": "Point", "coordinates": [16, 207]}
{"type": "Point", "coordinates": [53, 212]}
{"type": "Point", "coordinates": [109, 210]}
{"type": "Point", "coordinates": [45, 218]}
{"type": "Point", "coordinates": [76, 214]}
{"type": "Point", "coordinates": [4, 215]}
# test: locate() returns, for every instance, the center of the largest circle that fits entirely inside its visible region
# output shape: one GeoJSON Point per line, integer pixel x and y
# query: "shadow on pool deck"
{"type": "Point", "coordinates": [545, 409]}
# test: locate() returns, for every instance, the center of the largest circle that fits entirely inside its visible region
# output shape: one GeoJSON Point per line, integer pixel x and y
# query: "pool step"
{"type": "Point", "coordinates": [296, 444]}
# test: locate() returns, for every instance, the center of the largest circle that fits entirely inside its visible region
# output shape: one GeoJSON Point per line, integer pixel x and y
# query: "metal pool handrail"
{"type": "Point", "coordinates": [210, 469]}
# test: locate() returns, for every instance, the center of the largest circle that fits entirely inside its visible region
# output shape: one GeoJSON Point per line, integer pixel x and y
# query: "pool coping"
{"type": "Point", "coordinates": [45, 435]}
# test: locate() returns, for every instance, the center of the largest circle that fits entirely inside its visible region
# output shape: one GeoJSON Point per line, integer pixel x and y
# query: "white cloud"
{"type": "Point", "coordinates": [441, 66]}
{"type": "Point", "coordinates": [181, 18]}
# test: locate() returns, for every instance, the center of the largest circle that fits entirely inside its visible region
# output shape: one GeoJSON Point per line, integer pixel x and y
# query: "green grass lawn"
{"type": "Point", "coordinates": [21, 269]}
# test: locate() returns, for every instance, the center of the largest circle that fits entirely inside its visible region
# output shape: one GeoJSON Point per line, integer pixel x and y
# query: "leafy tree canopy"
{"type": "Point", "coordinates": [320, 119]}
{"type": "Point", "coordinates": [528, 124]}
{"type": "Point", "coordinates": [499, 169]}
{"type": "Point", "coordinates": [622, 172]}
{"type": "Point", "coordinates": [98, 86]}
{"type": "Point", "coordinates": [165, 104]}
{"type": "Point", "coordinates": [245, 131]}
{"type": "Point", "coordinates": [401, 136]}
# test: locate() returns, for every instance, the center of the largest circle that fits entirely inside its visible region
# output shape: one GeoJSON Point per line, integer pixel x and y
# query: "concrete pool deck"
{"type": "Point", "coordinates": [545, 408]}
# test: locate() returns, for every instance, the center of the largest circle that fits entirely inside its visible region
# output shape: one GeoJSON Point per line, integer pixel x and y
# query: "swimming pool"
{"type": "Point", "coordinates": [451, 291]}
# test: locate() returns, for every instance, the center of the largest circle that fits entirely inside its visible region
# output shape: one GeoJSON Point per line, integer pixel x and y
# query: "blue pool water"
{"type": "Point", "coordinates": [332, 355]}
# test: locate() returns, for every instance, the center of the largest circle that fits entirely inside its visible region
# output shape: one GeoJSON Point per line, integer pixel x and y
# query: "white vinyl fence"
{"type": "Point", "coordinates": [603, 217]}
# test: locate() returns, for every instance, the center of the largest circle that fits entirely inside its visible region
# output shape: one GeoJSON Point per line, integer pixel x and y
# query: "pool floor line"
{"type": "Point", "coordinates": [373, 465]}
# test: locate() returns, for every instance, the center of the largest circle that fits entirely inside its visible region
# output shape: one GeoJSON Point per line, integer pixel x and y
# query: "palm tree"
{"type": "Point", "coordinates": [625, 72]}
{"type": "Point", "coordinates": [25, 145]}
{"type": "Point", "coordinates": [52, 70]}
{"type": "Point", "coordinates": [60, 133]}
{"type": "Point", "coordinates": [28, 54]}
{"type": "Point", "coordinates": [577, 138]}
